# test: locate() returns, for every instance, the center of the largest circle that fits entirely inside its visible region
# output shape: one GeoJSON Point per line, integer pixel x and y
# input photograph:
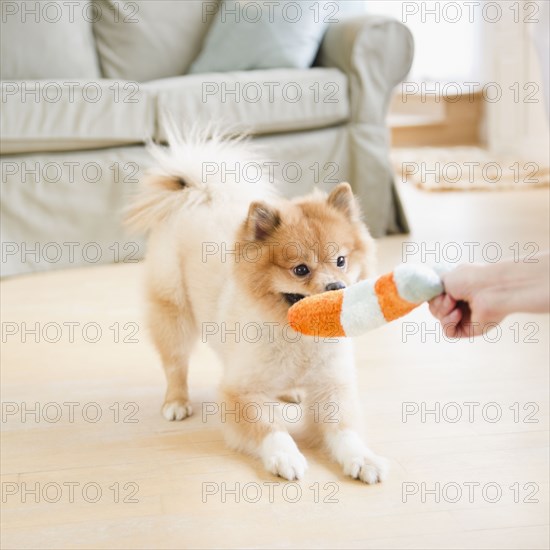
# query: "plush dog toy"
{"type": "Point", "coordinates": [366, 305]}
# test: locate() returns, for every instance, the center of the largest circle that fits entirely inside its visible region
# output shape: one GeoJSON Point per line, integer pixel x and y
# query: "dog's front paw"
{"type": "Point", "coordinates": [368, 468]}
{"type": "Point", "coordinates": [176, 409]}
{"type": "Point", "coordinates": [282, 457]}
{"type": "Point", "coordinates": [291, 466]}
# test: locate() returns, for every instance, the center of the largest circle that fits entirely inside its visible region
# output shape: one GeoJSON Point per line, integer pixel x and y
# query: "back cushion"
{"type": "Point", "coordinates": [47, 40]}
{"type": "Point", "coordinates": [250, 35]}
{"type": "Point", "coordinates": [150, 39]}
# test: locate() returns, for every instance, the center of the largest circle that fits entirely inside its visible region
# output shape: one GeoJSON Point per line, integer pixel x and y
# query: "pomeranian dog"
{"type": "Point", "coordinates": [225, 261]}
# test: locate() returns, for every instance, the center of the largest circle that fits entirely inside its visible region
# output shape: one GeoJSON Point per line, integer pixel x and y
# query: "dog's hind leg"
{"type": "Point", "coordinates": [175, 335]}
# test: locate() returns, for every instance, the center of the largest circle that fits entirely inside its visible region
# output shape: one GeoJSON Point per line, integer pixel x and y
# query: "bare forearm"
{"type": "Point", "coordinates": [518, 286]}
{"type": "Point", "coordinates": [480, 294]}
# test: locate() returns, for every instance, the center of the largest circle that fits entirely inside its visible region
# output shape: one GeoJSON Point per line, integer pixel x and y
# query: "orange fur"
{"type": "Point", "coordinates": [254, 285]}
{"type": "Point", "coordinates": [310, 231]}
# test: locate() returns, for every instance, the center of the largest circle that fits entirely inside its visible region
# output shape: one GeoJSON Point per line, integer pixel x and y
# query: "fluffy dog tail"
{"type": "Point", "coordinates": [190, 174]}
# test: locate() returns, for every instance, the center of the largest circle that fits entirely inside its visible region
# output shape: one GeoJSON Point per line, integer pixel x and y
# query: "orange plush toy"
{"type": "Point", "coordinates": [366, 305]}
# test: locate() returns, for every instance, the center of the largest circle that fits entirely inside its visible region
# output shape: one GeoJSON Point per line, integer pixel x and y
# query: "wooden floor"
{"type": "Point", "coordinates": [132, 480]}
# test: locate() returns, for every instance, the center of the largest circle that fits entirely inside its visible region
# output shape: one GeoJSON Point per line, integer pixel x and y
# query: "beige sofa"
{"type": "Point", "coordinates": [81, 96]}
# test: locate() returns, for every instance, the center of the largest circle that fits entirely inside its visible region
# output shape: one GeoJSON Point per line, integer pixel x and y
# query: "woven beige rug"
{"type": "Point", "coordinates": [466, 169]}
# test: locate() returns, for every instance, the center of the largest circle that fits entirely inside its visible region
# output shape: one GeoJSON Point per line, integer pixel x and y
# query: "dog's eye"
{"type": "Point", "coordinates": [341, 261]}
{"type": "Point", "coordinates": [301, 270]}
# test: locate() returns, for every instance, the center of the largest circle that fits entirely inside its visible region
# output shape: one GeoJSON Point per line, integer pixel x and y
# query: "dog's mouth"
{"type": "Point", "coordinates": [291, 299]}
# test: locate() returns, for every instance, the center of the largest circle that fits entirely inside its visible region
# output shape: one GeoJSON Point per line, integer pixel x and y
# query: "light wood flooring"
{"type": "Point", "coordinates": [446, 476]}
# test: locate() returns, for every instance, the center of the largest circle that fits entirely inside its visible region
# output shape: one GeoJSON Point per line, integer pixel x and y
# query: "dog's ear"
{"type": "Point", "coordinates": [341, 198]}
{"type": "Point", "coordinates": [262, 220]}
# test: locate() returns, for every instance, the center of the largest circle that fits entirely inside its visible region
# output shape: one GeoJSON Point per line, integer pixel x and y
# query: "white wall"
{"type": "Point", "coordinates": [488, 43]}
{"type": "Point", "coordinates": [446, 42]}
{"type": "Point", "coordinates": [518, 123]}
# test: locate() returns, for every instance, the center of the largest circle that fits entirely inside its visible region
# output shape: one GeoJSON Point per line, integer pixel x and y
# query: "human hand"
{"type": "Point", "coordinates": [470, 304]}
{"type": "Point", "coordinates": [479, 296]}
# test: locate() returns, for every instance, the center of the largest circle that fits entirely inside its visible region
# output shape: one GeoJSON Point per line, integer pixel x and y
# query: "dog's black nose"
{"type": "Point", "coordinates": [335, 286]}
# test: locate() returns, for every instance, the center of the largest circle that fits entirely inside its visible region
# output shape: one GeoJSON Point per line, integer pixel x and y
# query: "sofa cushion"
{"type": "Point", "coordinates": [249, 35]}
{"type": "Point", "coordinates": [47, 40]}
{"type": "Point", "coordinates": [151, 38]}
{"type": "Point", "coordinates": [258, 102]}
{"type": "Point", "coordinates": [45, 115]}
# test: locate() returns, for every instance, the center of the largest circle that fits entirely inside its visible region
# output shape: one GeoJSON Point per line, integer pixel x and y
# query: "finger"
{"type": "Point", "coordinates": [452, 318]}
{"type": "Point", "coordinates": [448, 304]}
{"type": "Point", "coordinates": [451, 323]}
{"type": "Point", "coordinates": [435, 306]}
{"type": "Point", "coordinates": [442, 305]}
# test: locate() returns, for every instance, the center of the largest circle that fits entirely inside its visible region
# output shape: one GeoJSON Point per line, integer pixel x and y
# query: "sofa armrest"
{"type": "Point", "coordinates": [376, 53]}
